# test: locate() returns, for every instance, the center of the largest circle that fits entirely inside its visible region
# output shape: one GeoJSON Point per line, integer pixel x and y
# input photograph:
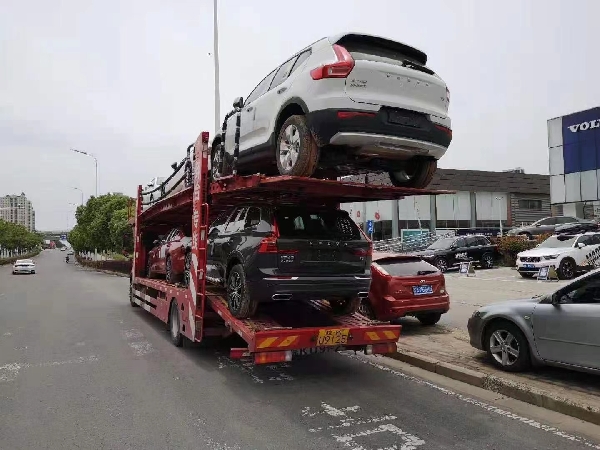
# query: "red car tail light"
{"type": "Point", "coordinates": [380, 270]}
{"type": "Point", "coordinates": [352, 114]}
{"type": "Point", "coordinates": [446, 130]}
{"type": "Point", "coordinates": [269, 244]}
{"type": "Point", "coordinates": [339, 69]}
{"type": "Point", "coordinates": [272, 357]}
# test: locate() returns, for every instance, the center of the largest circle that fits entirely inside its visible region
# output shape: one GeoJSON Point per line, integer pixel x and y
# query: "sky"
{"type": "Point", "coordinates": [131, 81]}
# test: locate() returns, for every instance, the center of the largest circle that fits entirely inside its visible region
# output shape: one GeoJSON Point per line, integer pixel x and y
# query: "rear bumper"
{"type": "Point", "coordinates": [23, 271]}
{"type": "Point", "coordinates": [308, 288]}
{"type": "Point", "coordinates": [390, 309]}
{"type": "Point", "coordinates": [371, 133]}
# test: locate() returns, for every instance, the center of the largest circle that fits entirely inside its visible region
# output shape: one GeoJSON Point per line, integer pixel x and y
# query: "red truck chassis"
{"type": "Point", "coordinates": [279, 330]}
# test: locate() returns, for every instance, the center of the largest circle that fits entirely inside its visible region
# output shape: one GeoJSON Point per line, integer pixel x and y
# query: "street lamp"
{"type": "Point", "coordinates": [95, 162]}
{"type": "Point", "coordinates": [500, 213]}
{"type": "Point", "coordinates": [216, 61]}
{"type": "Point", "coordinates": [80, 190]}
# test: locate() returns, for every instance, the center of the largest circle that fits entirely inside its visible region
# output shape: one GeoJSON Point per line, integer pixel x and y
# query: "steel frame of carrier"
{"type": "Point", "coordinates": [200, 310]}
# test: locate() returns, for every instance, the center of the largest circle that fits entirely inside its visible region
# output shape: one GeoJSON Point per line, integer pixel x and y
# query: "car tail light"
{"type": "Point", "coordinates": [339, 69]}
{"type": "Point", "coordinates": [269, 244]}
{"type": "Point", "coordinates": [364, 252]}
{"type": "Point", "coordinates": [446, 130]}
{"type": "Point", "coordinates": [352, 114]}
{"type": "Point", "coordinates": [381, 349]}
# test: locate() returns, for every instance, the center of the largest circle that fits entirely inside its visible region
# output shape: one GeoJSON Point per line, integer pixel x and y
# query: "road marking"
{"type": "Point", "coordinates": [532, 423]}
{"type": "Point", "coordinates": [9, 372]}
{"type": "Point", "coordinates": [254, 371]}
{"type": "Point", "coordinates": [397, 438]}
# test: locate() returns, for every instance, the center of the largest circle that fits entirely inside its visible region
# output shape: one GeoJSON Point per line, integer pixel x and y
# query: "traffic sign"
{"type": "Point", "coordinates": [63, 237]}
{"type": "Point", "coordinates": [369, 226]}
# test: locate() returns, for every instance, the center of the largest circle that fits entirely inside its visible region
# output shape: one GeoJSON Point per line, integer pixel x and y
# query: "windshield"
{"type": "Point", "coordinates": [441, 244]}
{"type": "Point", "coordinates": [558, 242]}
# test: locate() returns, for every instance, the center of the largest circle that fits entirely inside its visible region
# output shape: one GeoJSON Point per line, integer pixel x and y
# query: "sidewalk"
{"type": "Point", "coordinates": [448, 352]}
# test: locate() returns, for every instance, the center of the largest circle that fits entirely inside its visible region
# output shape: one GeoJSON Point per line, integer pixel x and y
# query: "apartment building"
{"type": "Point", "coordinates": [17, 209]}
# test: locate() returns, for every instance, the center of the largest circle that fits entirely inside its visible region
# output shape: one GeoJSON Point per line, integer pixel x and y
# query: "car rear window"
{"type": "Point", "coordinates": [406, 267]}
{"type": "Point", "coordinates": [317, 224]}
{"type": "Point", "coordinates": [383, 50]}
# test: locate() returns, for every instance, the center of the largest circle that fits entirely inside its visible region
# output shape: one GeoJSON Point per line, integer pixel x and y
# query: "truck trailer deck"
{"type": "Point", "coordinates": [200, 310]}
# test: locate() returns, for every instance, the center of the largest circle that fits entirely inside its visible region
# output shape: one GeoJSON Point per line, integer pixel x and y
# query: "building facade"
{"type": "Point", "coordinates": [574, 163]}
{"type": "Point", "coordinates": [480, 200]}
{"type": "Point", "coordinates": [17, 209]}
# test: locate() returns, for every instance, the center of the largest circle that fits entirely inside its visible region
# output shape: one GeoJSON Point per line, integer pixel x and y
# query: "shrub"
{"type": "Point", "coordinates": [510, 246]}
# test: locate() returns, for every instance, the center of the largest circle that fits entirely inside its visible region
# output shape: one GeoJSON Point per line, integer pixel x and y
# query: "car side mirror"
{"type": "Point", "coordinates": [238, 102]}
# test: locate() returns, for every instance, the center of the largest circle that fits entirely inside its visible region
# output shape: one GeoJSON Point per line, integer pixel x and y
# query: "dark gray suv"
{"type": "Point", "coordinates": [265, 254]}
{"type": "Point", "coordinates": [542, 226]}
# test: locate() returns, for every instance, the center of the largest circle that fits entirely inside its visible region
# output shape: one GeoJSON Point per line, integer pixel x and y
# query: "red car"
{"type": "Point", "coordinates": [405, 285]}
{"type": "Point", "coordinates": [171, 256]}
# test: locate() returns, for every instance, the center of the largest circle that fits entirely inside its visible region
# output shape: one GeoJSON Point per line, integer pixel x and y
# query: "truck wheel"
{"type": "Point", "coordinates": [429, 319]}
{"type": "Point", "coordinates": [297, 152]}
{"type": "Point", "coordinates": [238, 298]}
{"type": "Point", "coordinates": [175, 325]}
{"type": "Point", "coordinates": [566, 269]}
{"type": "Point", "coordinates": [345, 306]}
{"type": "Point", "coordinates": [418, 173]}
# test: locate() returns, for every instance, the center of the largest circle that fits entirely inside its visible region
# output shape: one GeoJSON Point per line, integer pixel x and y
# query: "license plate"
{"type": "Point", "coordinates": [337, 336]}
{"type": "Point", "coordinates": [422, 289]}
{"type": "Point", "coordinates": [326, 255]}
{"type": "Point", "coordinates": [403, 119]}
{"type": "Point", "coordinates": [528, 266]}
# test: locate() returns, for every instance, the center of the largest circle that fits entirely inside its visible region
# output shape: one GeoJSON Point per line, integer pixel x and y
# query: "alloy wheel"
{"type": "Point", "coordinates": [442, 265]}
{"type": "Point", "coordinates": [567, 269]}
{"type": "Point", "coordinates": [488, 261]}
{"type": "Point", "coordinates": [169, 271]}
{"type": "Point", "coordinates": [187, 272]}
{"type": "Point", "coordinates": [235, 291]}
{"type": "Point", "coordinates": [504, 347]}
{"type": "Point", "coordinates": [289, 149]}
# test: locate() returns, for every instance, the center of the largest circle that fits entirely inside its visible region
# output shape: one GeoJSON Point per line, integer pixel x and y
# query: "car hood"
{"type": "Point", "coordinates": [546, 251]}
{"type": "Point", "coordinates": [526, 304]}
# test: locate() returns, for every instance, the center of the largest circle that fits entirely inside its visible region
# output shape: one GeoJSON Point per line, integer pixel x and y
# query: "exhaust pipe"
{"type": "Point", "coordinates": [281, 296]}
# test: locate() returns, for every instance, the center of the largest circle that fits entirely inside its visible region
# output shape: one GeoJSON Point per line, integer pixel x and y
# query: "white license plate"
{"type": "Point", "coordinates": [422, 289]}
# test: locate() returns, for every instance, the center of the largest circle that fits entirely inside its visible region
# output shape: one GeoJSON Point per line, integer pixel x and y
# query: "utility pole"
{"type": "Point", "coordinates": [216, 61]}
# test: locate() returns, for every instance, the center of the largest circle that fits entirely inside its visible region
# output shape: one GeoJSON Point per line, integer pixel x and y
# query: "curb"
{"type": "Point", "coordinates": [518, 391]}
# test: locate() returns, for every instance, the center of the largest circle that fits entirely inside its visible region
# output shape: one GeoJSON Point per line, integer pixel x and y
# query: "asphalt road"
{"type": "Point", "coordinates": [81, 369]}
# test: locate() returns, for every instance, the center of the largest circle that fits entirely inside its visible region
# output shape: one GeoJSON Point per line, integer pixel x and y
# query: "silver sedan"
{"type": "Point", "coordinates": [558, 329]}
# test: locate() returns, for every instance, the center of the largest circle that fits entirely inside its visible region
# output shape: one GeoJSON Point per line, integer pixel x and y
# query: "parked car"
{"type": "Point", "coordinates": [404, 285]}
{"type": "Point", "coordinates": [448, 252]}
{"type": "Point", "coordinates": [569, 254]}
{"type": "Point", "coordinates": [346, 104]}
{"type": "Point", "coordinates": [583, 226]}
{"type": "Point", "coordinates": [288, 253]}
{"type": "Point", "coordinates": [542, 226]}
{"type": "Point", "coordinates": [171, 256]}
{"type": "Point", "coordinates": [63, 249]}
{"type": "Point", "coordinates": [557, 329]}
{"type": "Point", "coordinates": [23, 266]}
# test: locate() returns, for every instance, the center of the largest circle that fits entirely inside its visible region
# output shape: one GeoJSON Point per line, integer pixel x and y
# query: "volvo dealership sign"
{"type": "Point", "coordinates": [574, 154]}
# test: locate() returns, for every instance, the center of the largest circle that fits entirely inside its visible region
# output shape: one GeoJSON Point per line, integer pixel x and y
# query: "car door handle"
{"type": "Point", "coordinates": [281, 90]}
{"type": "Point", "coordinates": [250, 108]}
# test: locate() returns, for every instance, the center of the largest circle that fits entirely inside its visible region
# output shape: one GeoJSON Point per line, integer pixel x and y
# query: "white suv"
{"type": "Point", "coordinates": [347, 104]}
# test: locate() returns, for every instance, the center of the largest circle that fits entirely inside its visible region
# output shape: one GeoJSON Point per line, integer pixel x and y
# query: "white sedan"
{"type": "Point", "coordinates": [23, 266]}
{"type": "Point", "coordinates": [569, 254]}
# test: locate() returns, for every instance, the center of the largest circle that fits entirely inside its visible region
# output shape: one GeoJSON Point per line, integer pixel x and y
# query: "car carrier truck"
{"type": "Point", "coordinates": [199, 310]}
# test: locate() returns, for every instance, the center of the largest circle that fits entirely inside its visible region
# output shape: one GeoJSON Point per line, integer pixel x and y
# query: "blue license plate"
{"type": "Point", "coordinates": [528, 266]}
{"type": "Point", "coordinates": [422, 290]}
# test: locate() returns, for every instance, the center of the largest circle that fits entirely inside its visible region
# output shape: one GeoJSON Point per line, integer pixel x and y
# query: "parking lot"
{"type": "Point", "coordinates": [486, 287]}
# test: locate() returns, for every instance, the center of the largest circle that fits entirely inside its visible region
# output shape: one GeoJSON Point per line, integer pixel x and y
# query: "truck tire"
{"type": "Point", "coordinates": [297, 153]}
{"type": "Point", "coordinates": [345, 306]}
{"type": "Point", "coordinates": [240, 304]}
{"type": "Point", "coordinates": [417, 174]}
{"type": "Point", "coordinates": [175, 325]}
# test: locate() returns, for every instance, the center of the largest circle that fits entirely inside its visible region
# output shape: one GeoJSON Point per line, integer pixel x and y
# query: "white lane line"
{"type": "Point", "coordinates": [9, 372]}
{"type": "Point", "coordinates": [483, 405]}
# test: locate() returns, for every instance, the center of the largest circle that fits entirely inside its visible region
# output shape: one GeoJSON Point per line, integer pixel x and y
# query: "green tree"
{"type": "Point", "coordinates": [16, 238]}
